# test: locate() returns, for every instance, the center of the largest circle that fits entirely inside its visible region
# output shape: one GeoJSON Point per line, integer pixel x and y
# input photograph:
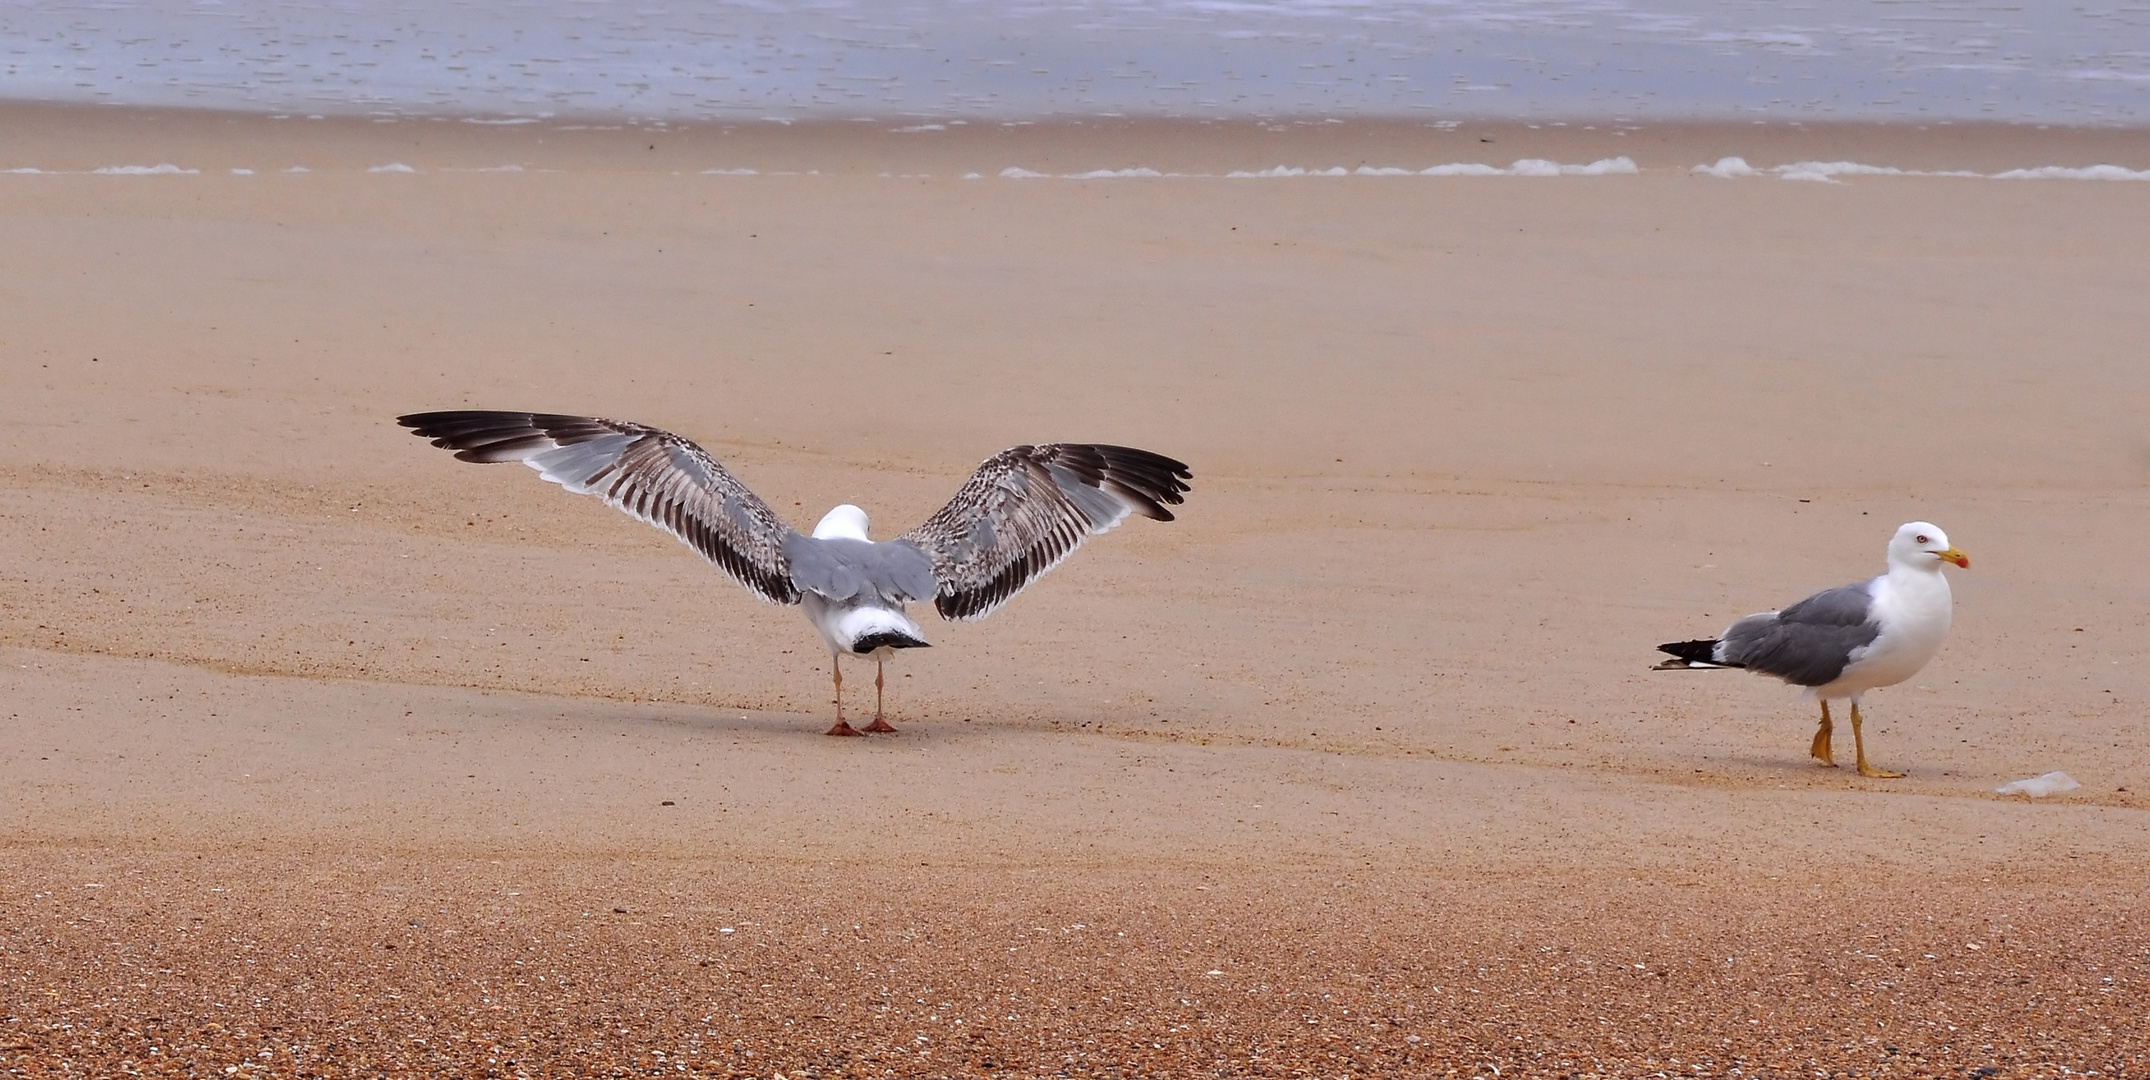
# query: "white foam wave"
{"type": "Point", "coordinates": [1727, 168]}
{"type": "Point", "coordinates": [2063, 172]}
{"type": "Point", "coordinates": [242, 172]}
{"type": "Point", "coordinates": [1618, 166]}
{"type": "Point", "coordinates": [509, 122]}
{"type": "Point", "coordinates": [1285, 170]}
{"type": "Point", "coordinates": [391, 167]}
{"type": "Point", "coordinates": [27, 171]}
{"type": "Point", "coordinates": [1826, 172]}
{"type": "Point", "coordinates": [1464, 168]}
{"type": "Point", "coordinates": [166, 169]}
{"type": "Point", "coordinates": [731, 172]}
{"type": "Point", "coordinates": [1612, 166]}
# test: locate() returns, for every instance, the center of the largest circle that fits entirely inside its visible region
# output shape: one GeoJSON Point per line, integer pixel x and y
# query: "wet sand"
{"type": "Point", "coordinates": [330, 755]}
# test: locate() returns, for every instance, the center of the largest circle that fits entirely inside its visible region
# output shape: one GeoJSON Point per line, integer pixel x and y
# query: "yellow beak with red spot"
{"type": "Point", "coordinates": [1955, 556]}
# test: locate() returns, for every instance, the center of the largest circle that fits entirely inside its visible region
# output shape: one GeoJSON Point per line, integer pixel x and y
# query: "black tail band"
{"type": "Point", "coordinates": [1696, 652]}
{"type": "Point", "coordinates": [889, 639]}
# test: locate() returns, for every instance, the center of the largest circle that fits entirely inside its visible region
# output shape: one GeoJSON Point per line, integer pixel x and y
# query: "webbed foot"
{"type": "Point", "coordinates": [1820, 748]}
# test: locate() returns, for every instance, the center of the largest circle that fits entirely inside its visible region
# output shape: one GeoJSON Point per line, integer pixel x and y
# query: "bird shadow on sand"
{"type": "Point", "coordinates": [701, 719]}
{"type": "Point", "coordinates": [1800, 773]}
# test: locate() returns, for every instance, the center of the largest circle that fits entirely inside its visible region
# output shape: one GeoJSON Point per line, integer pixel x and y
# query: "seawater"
{"type": "Point", "coordinates": [1807, 60]}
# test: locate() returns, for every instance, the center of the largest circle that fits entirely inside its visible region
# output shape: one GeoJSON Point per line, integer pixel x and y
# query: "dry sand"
{"type": "Point", "coordinates": [328, 755]}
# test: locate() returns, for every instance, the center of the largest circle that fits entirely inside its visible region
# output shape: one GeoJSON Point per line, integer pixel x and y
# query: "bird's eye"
{"type": "Point", "coordinates": [1924, 540]}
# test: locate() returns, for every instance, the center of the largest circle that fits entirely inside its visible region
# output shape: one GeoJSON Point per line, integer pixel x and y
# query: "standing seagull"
{"type": "Point", "coordinates": [1842, 642]}
{"type": "Point", "coordinates": [1024, 510]}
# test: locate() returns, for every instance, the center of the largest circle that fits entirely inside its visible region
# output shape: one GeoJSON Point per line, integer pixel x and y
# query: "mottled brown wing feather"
{"type": "Point", "coordinates": [650, 473]}
{"type": "Point", "coordinates": [1029, 507]}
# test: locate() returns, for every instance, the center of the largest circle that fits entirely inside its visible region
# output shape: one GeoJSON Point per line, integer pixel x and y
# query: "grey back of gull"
{"type": "Point", "coordinates": [840, 568]}
{"type": "Point", "coordinates": [1808, 643]}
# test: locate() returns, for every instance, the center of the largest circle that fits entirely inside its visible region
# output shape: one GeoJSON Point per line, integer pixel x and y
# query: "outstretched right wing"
{"type": "Point", "coordinates": [650, 473]}
{"type": "Point", "coordinates": [1028, 507]}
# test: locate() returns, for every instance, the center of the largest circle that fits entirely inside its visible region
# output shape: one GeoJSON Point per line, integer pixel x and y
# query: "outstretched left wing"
{"type": "Point", "coordinates": [650, 473]}
{"type": "Point", "coordinates": [1029, 507]}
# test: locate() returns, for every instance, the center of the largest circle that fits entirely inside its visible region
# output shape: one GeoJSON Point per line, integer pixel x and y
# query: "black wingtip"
{"type": "Point", "coordinates": [488, 436]}
{"type": "Point", "coordinates": [1148, 480]}
{"type": "Point", "coordinates": [418, 422]}
{"type": "Point", "coordinates": [468, 432]}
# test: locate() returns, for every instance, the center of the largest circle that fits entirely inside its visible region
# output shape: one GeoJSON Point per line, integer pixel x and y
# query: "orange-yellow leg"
{"type": "Point", "coordinates": [878, 725]}
{"type": "Point", "coordinates": [1860, 742]}
{"type": "Point", "coordinates": [836, 665]}
{"type": "Point", "coordinates": [1820, 749]}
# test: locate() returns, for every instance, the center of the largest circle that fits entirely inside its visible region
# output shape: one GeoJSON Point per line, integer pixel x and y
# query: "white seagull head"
{"type": "Point", "coordinates": [846, 522]}
{"type": "Point", "coordinates": [1921, 545]}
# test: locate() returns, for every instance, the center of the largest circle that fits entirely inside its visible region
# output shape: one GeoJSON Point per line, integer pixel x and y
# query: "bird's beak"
{"type": "Point", "coordinates": [1955, 556]}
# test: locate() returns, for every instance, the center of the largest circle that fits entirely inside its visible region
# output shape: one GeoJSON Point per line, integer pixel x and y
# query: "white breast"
{"type": "Point", "coordinates": [1914, 607]}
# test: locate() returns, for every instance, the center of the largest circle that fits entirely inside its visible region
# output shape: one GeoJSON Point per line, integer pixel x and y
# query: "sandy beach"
{"type": "Point", "coordinates": [328, 755]}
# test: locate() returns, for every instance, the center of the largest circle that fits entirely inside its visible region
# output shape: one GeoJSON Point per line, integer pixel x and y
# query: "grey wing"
{"type": "Point", "coordinates": [1808, 643]}
{"type": "Point", "coordinates": [1029, 507]}
{"type": "Point", "coordinates": [652, 474]}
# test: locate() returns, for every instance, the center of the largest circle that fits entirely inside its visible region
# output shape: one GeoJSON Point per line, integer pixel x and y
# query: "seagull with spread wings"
{"type": "Point", "coordinates": [1022, 512]}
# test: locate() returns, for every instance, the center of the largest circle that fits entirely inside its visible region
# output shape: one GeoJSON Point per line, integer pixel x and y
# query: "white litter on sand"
{"type": "Point", "coordinates": [2038, 787]}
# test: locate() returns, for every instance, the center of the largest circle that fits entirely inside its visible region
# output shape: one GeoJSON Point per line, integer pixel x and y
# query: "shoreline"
{"type": "Point", "coordinates": [57, 138]}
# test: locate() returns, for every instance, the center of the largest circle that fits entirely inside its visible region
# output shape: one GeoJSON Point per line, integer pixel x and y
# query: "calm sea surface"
{"type": "Point", "coordinates": [2057, 62]}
